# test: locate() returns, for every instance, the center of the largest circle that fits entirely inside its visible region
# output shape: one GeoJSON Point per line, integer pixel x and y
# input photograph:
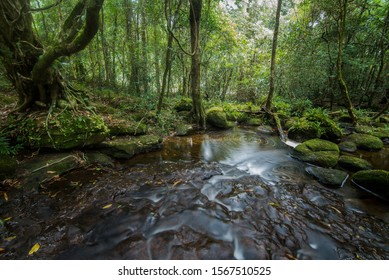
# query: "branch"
{"type": "Point", "coordinates": [80, 41]}
{"type": "Point", "coordinates": [47, 7]}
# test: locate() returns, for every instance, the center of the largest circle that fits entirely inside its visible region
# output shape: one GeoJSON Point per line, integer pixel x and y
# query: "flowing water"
{"type": "Point", "coordinates": [222, 195]}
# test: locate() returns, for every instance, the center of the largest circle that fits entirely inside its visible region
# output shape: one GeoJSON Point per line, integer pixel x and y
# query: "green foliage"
{"type": "Point", "coordinates": [6, 148]}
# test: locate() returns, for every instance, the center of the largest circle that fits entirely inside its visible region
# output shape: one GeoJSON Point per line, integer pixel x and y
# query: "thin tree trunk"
{"type": "Point", "coordinates": [194, 19]}
{"type": "Point", "coordinates": [341, 36]}
{"type": "Point", "coordinates": [273, 59]}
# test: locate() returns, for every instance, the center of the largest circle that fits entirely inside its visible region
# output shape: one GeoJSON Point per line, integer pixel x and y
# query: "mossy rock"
{"type": "Point", "coordinates": [184, 129]}
{"type": "Point", "coordinates": [8, 166]}
{"type": "Point", "coordinates": [366, 141]}
{"type": "Point", "coordinates": [125, 148]}
{"type": "Point", "coordinates": [375, 182]}
{"type": "Point", "coordinates": [354, 163]}
{"type": "Point", "coordinates": [347, 146]}
{"type": "Point", "coordinates": [254, 122]}
{"type": "Point", "coordinates": [318, 152]}
{"type": "Point", "coordinates": [217, 118]}
{"type": "Point", "coordinates": [303, 133]}
{"type": "Point", "coordinates": [380, 132]}
{"type": "Point", "coordinates": [327, 176]}
{"type": "Point", "coordinates": [120, 127]}
{"type": "Point", "coordinates": [63, 130]}
{"type": "Point", "coordinates": [185, 104]}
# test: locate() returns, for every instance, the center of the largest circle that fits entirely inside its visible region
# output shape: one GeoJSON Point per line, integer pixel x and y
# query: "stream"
{"type": "Point", "coordinates": [234, 194]}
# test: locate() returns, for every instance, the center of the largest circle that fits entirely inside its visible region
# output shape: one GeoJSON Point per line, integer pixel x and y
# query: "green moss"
{"type": "Point", "coordinates": [347, 146]}
{"type": "Point", "coordinates": [366, 141]}
{"type": "Point", "coordinates": [185, 104]}
{"type": "Point", "coordinates": [254, 122]}
{"type": "Point", "coordinates": [373, 181]}
{"type": "Point", "coordinates": [63, 130]}
{"type": "Point", "coordinates": [380, 132]}
{"type": "Point", "coordinates": [354, 163]}
{"type": "Point", "coordinates": [326, 176]}
{"type": "Point", "coordinates": [217, 117]}
{"type": "Point", "coordinates": [318, 152]}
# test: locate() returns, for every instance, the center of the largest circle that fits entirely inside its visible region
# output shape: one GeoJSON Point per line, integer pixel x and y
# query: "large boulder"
{"type": "Point", "coordinates": [327, 176]}
{"type": "Point", "coordinates": [63, 130]}
{"type": "Point", "coordinates": [317, 152]}
{"type": "Point", "coordinates": [217, 117]}
{"type": "Point", "coordinates": [366, 141]}
{"type": "Point", "coordinates": [354, 163]}
{"type": "Point", "coordinates": [375, 182]}
{"type": "Point", "coordinates": [119, 127]}
{"type": "Point", "coordinates": [125, 148]}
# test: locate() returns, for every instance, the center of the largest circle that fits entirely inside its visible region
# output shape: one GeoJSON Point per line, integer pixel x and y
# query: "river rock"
{"type": "Point", "coordinates": [380, 132]}
{"type": "Point", "coordinates": [375, 182]}
{"type": "Point", "coordinates": [42, 169]}
{"type": "Point", "coordinates": [184, 129]}
{"type": "Point", "coordinates": [366, 141]}
{"type": "Point", "coordinates": [326, 176]}
{"type": "Point", "coordinates": [125, 148]}
{"type": "Point", "coordinates": [348, 146]}
{"type": "Point", "coordinates": [354, 164]}
{"type": "Point", "coordinates": [217, 117]}
{"type": "Point", "coordinates": [317, 152]}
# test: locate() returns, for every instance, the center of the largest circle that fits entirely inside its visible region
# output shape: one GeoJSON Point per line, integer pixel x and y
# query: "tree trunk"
{"type": "Point", "coordinates": [273, 59]}
{"type": "Point", "coordinates": [341, 22]}
{"type": "Point", "coordinates": [194, 19]}
{"type": "Point", "coordinates": [28, 64]}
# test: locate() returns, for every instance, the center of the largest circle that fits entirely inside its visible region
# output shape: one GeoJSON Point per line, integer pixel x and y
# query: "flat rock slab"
{"type": "Point", "coordinates": [125, 148]}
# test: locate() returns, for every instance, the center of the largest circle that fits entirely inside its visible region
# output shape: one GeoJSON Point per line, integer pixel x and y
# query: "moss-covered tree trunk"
{"type": "Point", "coordinates": [341, 22]}
{"type": "Point", "coordinates": [194, 18]}
{"type": "Point", "coordinates": [29, 64]}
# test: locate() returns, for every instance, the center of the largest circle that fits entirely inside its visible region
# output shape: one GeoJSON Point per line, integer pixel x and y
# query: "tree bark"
{"type": "Point", "coordinates": [194, 19]}
{"type": "Point", "coordinates": [273, 59]}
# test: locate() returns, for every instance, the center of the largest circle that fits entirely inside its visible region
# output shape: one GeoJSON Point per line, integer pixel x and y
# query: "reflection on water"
{"type": "Point", "coordinates": [225, 195]}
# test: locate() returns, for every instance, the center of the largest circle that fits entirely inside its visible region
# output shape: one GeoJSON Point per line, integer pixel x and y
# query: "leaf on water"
{"type": "Point", "coordinates": [6, 196]}
{"type": "Point", "coordinates": [34, 249]}
{"type": "Point", "coordinates": [107, 206]}
{"type": "Point", "coordinates": [10, 238]}
{"type": "Point", "coordinates": [51, 172]}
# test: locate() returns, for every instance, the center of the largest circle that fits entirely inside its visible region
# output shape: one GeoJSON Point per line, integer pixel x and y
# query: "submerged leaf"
{"type": "Point", "coordinates": [34, 249]}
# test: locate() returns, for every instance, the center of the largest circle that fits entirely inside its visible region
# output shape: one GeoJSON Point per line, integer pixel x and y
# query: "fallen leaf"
{"type": "Point", "coordinates": [10, 238]}
{"type": "Point", "coordinates": [2, 250]}
{"type": "Point", "coordinates": [176, 183]}
{"type": "Point", "coordinates": [51, 172]}
{"type": "Point", "coordinates": [107, 206]}
{"type": "Point", "coordinates": [5, 196]}
{"type": "Point", "coordinates": [7, 219]}
{"type": "Point", "coordinates": [276, 205]}
{"type": "Point", "coordinates": [34, 248]}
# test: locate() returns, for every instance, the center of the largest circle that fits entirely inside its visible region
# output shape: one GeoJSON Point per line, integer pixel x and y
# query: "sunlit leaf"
{"type": "Point", "coordinates": [107, 206]}
{"type": "Point", "coordinates": [34, 249]}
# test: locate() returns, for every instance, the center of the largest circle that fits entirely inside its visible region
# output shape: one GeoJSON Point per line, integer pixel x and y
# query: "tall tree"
{"type": "Point", "coordinates": [194, 20]}
{"type": "Point", "coordinates": [273, 58]}
{"type": "Point", "coordinates": [341, 24]}
{"type": "Point", "coordinates": [30, 65]}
